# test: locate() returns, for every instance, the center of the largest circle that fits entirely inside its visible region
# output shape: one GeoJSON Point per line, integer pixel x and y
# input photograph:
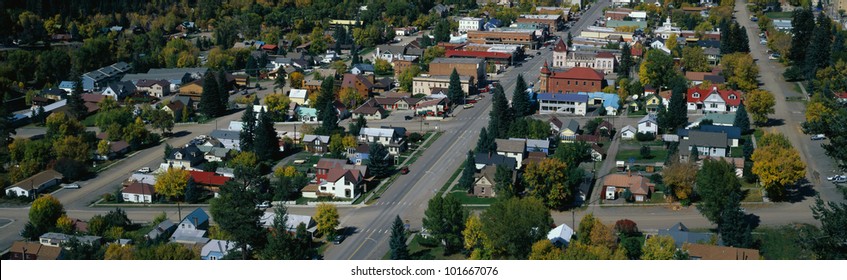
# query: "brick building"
{"type": "Point", "coordinates": [425, 83]}
{"type": "Point", "coordinates": [474, 67]}
{"type": "Point", "coordinates": [554, 21]}
{"type": "Point", "coordinates": [577, 79]}
{"type": "Point", "coordinates": [519, 37]}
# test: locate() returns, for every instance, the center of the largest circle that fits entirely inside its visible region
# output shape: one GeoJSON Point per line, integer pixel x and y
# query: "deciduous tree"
{"type": "Point", "coordinates": [547, 181]}
{"type": "Point", "coordinates": [715, 183]}
{"type": "Point", "coordinates": [656, 69]}
{"type": "Point", "coordinates": [545, 250]}
{"type": "Point", "coordinates": [777, 165]}
{"type": "Point", "coordinates": [761, 104]}
{"type": "Point", "coordinates": [326, 215]}
{"type": "Point", "coordinates": [171, 183]}
{"type": "Point", "coordinates": [658, 248]}
{"type": "Point", "coordinates": [71, 147]}
{"type": "Point", "coordinates": [740, 72]}
{"type": "Point", "coordinates": [445, 220]}
{"type": "Point", "coordinates": [680, 177]}
{"type": "Point", "coordinates": [513, 225]}
{"type": "Point", "coordinates": [43, 214]}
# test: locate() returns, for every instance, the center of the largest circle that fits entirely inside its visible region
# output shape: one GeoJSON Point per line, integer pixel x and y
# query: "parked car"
{"type": "Point", "coordinates": [144, 170]}
{"type": "Point", "coordinates": [70, 186]}
{"type": "Point", "coordinates": [818, 137]}
{"type": "Point", "coordinates": [834, 177]}
{"type": "Point", "coordinates": [537, 53]}
{"type": "Point", "coordinates": [408, 117]}
{"type": "Point", "coordinates": [338, 239]}
{"type": "Point", "coordinates": [773, 56]}
{"type": "Point", "coordinates": [404, 170]}
{"type": "Point", "coordinates": [840, 179]}
{"type": "Point", "coordinates": [264, 205]}
{"type": "Point", "coordinates": [468, 106]}
{"type": "Point", "coordinates": [472, 101]}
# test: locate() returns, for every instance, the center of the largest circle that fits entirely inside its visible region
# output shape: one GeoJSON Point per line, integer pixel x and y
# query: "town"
{"type": "Point", "coordinates": [423, 130]}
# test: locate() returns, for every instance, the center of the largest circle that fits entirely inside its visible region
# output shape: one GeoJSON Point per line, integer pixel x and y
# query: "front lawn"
{"type": "Point", "coordinates": [657, 155]}
{"type": "Point", "coordinates": [428, 249]}
{"type": "Point", "coordinates": [464, 198]}
{"type": "Point", "coordinates": [782, 243]}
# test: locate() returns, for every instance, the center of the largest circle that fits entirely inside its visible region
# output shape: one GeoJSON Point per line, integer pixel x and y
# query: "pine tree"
{"type": "Point", "coordinates": [192, 194]}
{"type": "Point", "coordinates": [223, 91]}
{"type": "Point", "coordinates": [626, 61]}
{"type": "Point", "coordinates": [75, 102]}
{"type": "Point", "coordinates": [426, 41]}
{"type": "Point", "coordinates": [743, 44]}
{"type": "Point", "coordinates": [210, 99]}
{"type": "Point", "coordinates": [803, 24]}
{"type": "Point", "coordinates": [734, 229]}
{"type": "Point", "coordinates": [482, 145]}
{"type": "Point", "coordinates": [6, 130]}
{"type": "Point", "coordinates": [327, 96]}
{"type": "Point", "coordinates": [235, 213]}
{"type": "Point", "coordinates": [399, 251]}
{"type": "Point", "coordinates": [677, 109]}
{"type": "Point", "coordinates": [247, 136]}
{"type": "Point", "coordinates": [330, 122]}
{"type": "Point", "coordinates": [466, 180]}
{"type": "Point", "coordinates": [266, 145]}
{"type": "Point", "coordinates": [695, 153]}
{"type": "Point", "coordinates": [500, 116]}
{"type": "Point", "coordinates": [354, 127]}
{"type": "Point", "coordinates": [252, 67]}
{"type": "Point", "coordinates": [454, 90]}
{"type": "Point", "coordinates": [520, 100]}
{"type": "Point", "coordinates": [354, 51]}
{"type": "Point", "coordinates": [818, 52]}
{"type": "Point", "coordinates": [441, 31]}
{"type": "Point", "coordinates": [742, 121]}
{"type": "Point", "coordinates": [379, 163]}
{"type": "Point", "coordinates": [570, 39]}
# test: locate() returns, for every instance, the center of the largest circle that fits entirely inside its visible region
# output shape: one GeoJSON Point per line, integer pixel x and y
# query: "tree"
{"type": "Point", "coordinates": [72, 147]}
{"type": "Point", "coordinates": [740, 71]}
{"type": "Point", "coordinates": [777, 164]}
{"type": "Point", "coordinates": [742, 121]}
{"type": "Point", "coordinates": [430, 54]}
{"type": "Point", "coordinates": [672, 43]}
{"type": "Point", "coordinates": [830, 241]}
{"type": "Point", "coordinates": [520, 99]}
{"type": "Point", "coordinates": [715, 182]}
{"type": "Point", "coordinates": [192, 193]}
{"type": "Point", "coordinates": [734, 229]}
{"type": "Point", "coordinates": [6, 130]}
{"type": "Point", "coordinates": [266, 145]}
{"type": "Point", "coordinates": [277, 106]}
{"type": "Point", "coordinates": [326, 97]}
{"type": "Point", "coordinates": [656, 69]}
{"type": "Point", "coordinates": [252, 68]}
{"type": "Point", "coordinates": [247, 136]}
{"type": "Point", "coordinates": [379, 161]}
{"type": "Point", "coordinates": [282, 245]}
{"type": "Point", "coordinates": [577, 250]}
{"type": "Point", "coordinates": [355, 127]}
{"type": "Point", "coordinates": [210, 99]}
{"type": "Point", "coordinates": [171, 184]}
{"type": "Point", "coordinates": [803, 25]}
{"type": "Point", "coordinates": [626, 227]}
{"type": "Point", "coordinates": [680, 177]}
{"type": "Point", "coordinates": [693, 59]}
{"type": "Point", "coordinates": [350, 97]}
{"type": "Point", "coordinates": [677, 113]}
{"type": "Point", "coordinates": [467, 178]}
{"type": "Point", "coordinates": [75, 102]}
{"type": "Point", "coordinates": [441, 33]}
{"type": "Point", "coordinates": [116, 251]}
{"type": "Point", "coordinates": [296, 79]}
{"type": "Point", "coordinates": [475, 239]}
{"type": "Point", "coordinates": [658, 248]}
{"type": "Point", "coordinates": [632, 246]}
{"type": "Point", "coordinates": [444, 219]}
{"type": "Point", "coordinates": [43, 214]}
{"type": "Point", "coordinates": [235, 212]}
{"type": "Point", "coordinates": [406, 77]}
{"type": "Point", "coordinates": [545, 250]}
{"type": "Point", "coordinates": [382, 67]}
{"type": "Point", "coordinates": [625, 62]}
{"type": "Point", "coordinates": [645, 152]}
{"type": "Point", "coordinates": [397, 242]}
{"type": "Point", "coordinates": [326, 216]}
{"type": "Point", "coordinates": [500, 116]}
{"type": "Point", "coordinates": [504, 185]}
{"type": "Point", "coordinates": [279, 81]}
{"type": "Point", "coordinates": [761, 104]}
{"type": "Point", "coordinates": [513, 225]}
{"type": "Point", "coordinates": [454, 89]}
{"type": "Point", "coordinates": [547, 180]}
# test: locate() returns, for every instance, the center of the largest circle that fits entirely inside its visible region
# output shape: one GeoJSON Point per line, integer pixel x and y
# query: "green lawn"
{"type": "Point", "coordinates": [463, 198]}
{"type": "Point", "coordinates": [452, 177]}
{"type": "Point", "coordinates": [658, 155]}
{"type": "Point", "coordinates": [776, 15]}
{"type": "Point", "coordinates": [657, 197]}
{"type": "Point", "coordinates": [89, 121]}
{"type": "Point", "coordinates": [752, 195]}
{"type": "Point", "coordinates": [781, 243]}
{"type": "Point", "coordinates": [736, 152]}
{"type": "Point", "coordinates": [421, 249]}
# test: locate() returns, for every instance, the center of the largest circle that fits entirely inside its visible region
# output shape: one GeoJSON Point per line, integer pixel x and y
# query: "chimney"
{"type": "Point", "coordinates": [629, 172]}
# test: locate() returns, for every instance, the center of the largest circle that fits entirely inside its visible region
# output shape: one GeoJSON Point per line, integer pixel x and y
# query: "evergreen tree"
{"type": "Point", "coordinates": [445, 218]}
{"type": "Point", "coordinates": [626, 62]}
{"type": "Point", "coordinates": [734, 229]}
{"type": "Point", "coordinates": [279, 81]}
{"type": "Point", "coordinates": [192, 194]}
{"type": "Point", "coordinates": [803, 24]}
{"type": "Point", "coordinates": [235, 213]}
{"type": "Point", "coordinates": [223, 91]}
{"type": "Point", "coordinates": [485, 144]}
{"type": "Point", "coordinates": [210, 99]}
{"type": "Point", "coordinates": [379, 163]}
{"type": "Point", "coordinates": [441, 31]}
{"type": "Point", "coordinates": [454, 90]}
{"type": "Point", "coordinates": [266, 145]}
{"type": "Point", "coordinates": [818, 53]}
{"type": "Point", "coordinates": [75, 102]}
{"type": "Point", "coordinates": [503, 184]}
{"type": "Point", "coordinates": [570, 39]}
{"type": "Point", "coordinates": [6, 130]}
{"type": "Point", "coordinates": [520, 100]}
{"type": "Point", "coordinates": [695, 153]}
{"type": "Point", "coordinates": [399, 251]}
{"type": "Point", "coordinates": [426, 41]}
{"type": "Point", "coordinates": [677, 109]}
{"type": "Point", "coordinates": [282, 245]}
{"type": "Point", "coordinates": [742, 43]}
{"type": "Point", "coordinates": [326, 96]}
{"type": "Point", "coordinates": [466, 180]}
{"type": "Point", "coordinates": [727, 44]}
{"type": "Point", "coordinates": [354, 127]}
{"type": "Point", "coordinates": [354, 51]}
{"type": "Point", "coordinates": [500, 116]}
{"type": "Point", "coordinates": [742, 121]}
{"type": "Point", "coordinates": [252, 67]}
{"type": "Point", "coordinates": [248, 129]}
{"type": "Point", "coordinates": [330, 121]}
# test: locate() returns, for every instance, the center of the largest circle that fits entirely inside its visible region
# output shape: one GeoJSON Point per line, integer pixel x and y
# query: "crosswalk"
{"type": "Point", "coordinates": [388, 203]}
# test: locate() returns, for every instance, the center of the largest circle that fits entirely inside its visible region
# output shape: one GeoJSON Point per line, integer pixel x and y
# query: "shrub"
{"type": "Point", "coordinates": [415, 137]}
{"type": "Point", "coordinates": [649, 136]}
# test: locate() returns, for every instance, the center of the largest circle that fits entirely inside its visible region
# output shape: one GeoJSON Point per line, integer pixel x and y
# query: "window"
{"type": "Point", "coordinates": [732, 96]}
{"type": "Point", "coordinates": [695, 95]}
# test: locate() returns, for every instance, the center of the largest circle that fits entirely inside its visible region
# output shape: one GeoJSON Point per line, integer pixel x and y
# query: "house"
{"type": "Point", "coordinates": [515, 149]}
{"type": "Point", "coordinates": [712, 252]}
{"type": "Point", "coordinates": [574, 104]}
{"type": "Point", "coordinates": [214, 153]}
{"type": "Point", "coordinates": [681, 235]}
{"type": "Point", "coordinates": [163, 229]}
{"type": "Point", "coordinates": [316, 143]}
{"type": "Point", "coordinates": [648, 124]}
{"type": "Point", "coordinates": [565, 130]}
{"type": "Point", "coordinates": [307, 114]}
{"type": "Point", "coordinates": [299, 96]}
{"type": "Point", "coordinates": [470, 24]}
{"type": "Point", "coordinates": [324, 165]}
{"type": "Point", "coordinates": [231, 139]}
{"type": "Point", "coordinates": [389, 52]}
{"type": "Point", "coordinates": [609, 101]}
{"type": "Point", "coordinates": [359, 155]}
{"type": "Point", "coordinates": [485, 159]}
{"type": "Point", "coordinates": [425, 83]}
{"type": "Point", "coordinates": [392, 138]}
{"type": "Point", "coordinates": [713, 100]}
{"type": "Point", "coordinates": [369, 112]}
{"type": "Point", "coordinates": [155, 88]}
{"type": "Point", "coordinates": [712, 144]}
{"type": "Point", "coordinates": [483, 185]}
{"type": "Point", "coordinates": [185, 158]}
{"type": "Point", "coordinates": [119, 90]}
{"type": "Point", "coordinates": [138, 192]}
{"type": "Point", "coordinates": [342, 183]}
{"type": "Point", "coordinates": [560, 235]}
{"type": "Point", "coordinates": [628, 132]}
{"type": "Point", "coordinates": [96, 79]}
{"type": "Point", "coordinates": [186, 100]}
{"type": "Point", "coordinates": [439, 10]}
{"type": "Point", "coordinates": [175, 109]}
{"type": "Point", "coordinates": [536, 145]}
{"type": "Point", "coordinates": [32, 186]}
{"type": "Point", "coordinates": [362, 69]}
{"type": "Point", "coordinates": [192, 229]}
{"type": "Point", "coordinates": [719, 119]}
{"type": "Point", "coordinates": [216, 249]}
{"type": "Point", "coordinates": [616, 184]}
{"type": "Point", "coordinates": [733, 134]}
{"type": "Point", "coordinates": [431, 107]}
{"type": "Point", "coordinates": [597, 153]}
{"type": "Point", "coordinates": [473, 67]}
{"type": "Point", "coordinates": [55, 239]}
{"type": "Point", "coordinates": [605, 129]}
{"type": "Point", "coordinates": [573, 80]}
{"type": "Point", "coordinates": [652, 103]}
{"type": "Point", "coordinates": [193, 89]}
{"type": "Point", "coordinates": [209, 181]}
{"type": "Point", "coordinates": [25, 250]}
{"type": "Point", "coordinates": [358, 82]}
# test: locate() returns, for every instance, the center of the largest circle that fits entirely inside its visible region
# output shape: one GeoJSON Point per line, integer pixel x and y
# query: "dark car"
{"type": "Point", "coordinates": [538, 53]}
{"type": "Point", "coordinates": [408, 117]}
{"type": "Point", "coordinates": [404, 170]}
{"type": "Point", "coordinates": [338, 239]}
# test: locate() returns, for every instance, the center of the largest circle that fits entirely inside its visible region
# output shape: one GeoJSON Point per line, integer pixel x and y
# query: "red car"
{"type": "Point", "coordinates": [404, 170]}
{"type": "Point", "coordinates": [471, 101]}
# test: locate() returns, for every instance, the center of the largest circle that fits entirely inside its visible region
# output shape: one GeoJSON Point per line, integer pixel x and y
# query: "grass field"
{"type": "Point", "coordinates": [658, 155]}
{"type": "Point", "coordinates": [781, 243]}
{"type": "Point", "coordinates": [420, 249]}
{"type": "Point", "coordinates": [463, 198]}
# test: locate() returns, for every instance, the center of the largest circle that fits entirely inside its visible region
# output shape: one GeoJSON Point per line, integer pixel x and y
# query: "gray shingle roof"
{"type": "Point", "coordinates": [510, 146]}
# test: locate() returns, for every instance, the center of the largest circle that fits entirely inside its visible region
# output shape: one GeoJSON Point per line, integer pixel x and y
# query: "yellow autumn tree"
{"type": "Point", "coordinates": [72, 147]}
{"type": "Point", "coordinates": [104, 147]}
{"type": "Point", "coordinates": [296, 79]}
{"type": "Point", "coordinates": [350, 97]}
{"type": "Point", "coordinates": [658, 248]}
{"type": "Point", "coordinates": [277, 102]}
{"type": "Point", "coordinates": [117, 252]}
{"type": "Point", "coordinates": [349, 141]}
{"type": "Point", "coordinates": [327, 217]}
{"type": "Point", "coordinates": [547, 180]}
{"type": "Point", "coordinates": [777, 165]}
{"type": "Point", "coordinates": [545, 250]}
{"type": "Point", "coordinates": [816, 111]}
{"type": "Point", "coordinates": [172, 183]}
{"type": "Point", "coordinates": [760, 104]}
{"type": "Point", "coordinates": [680, 177]}
{"type": "Point", "coordinates": [473, 234]}
{"type": "Point", "coordinates": [741, 71]}
{"type": "Point", "coordinates": [287, 171]}
{"type": "Point", "coordinates": [65, 224]}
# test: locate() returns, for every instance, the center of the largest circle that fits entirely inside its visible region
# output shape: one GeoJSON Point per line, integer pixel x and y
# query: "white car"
{"type": "Point", "coordinates": [144, 170]}
{"type": "Point", "coordinates": [841, 179]}
{"type": "Point", "coordinates": [70, 186]}
{"type": "Point", "coordinates": [264, 205]}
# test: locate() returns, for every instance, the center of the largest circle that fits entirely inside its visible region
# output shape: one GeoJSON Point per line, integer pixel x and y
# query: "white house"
{"type": "Point", "coordinates": [628, 132]}
{"type": "Point", "coordinates": [470, 24]}
{"type": "Point", "coordinates": [299, 96]}
{"type": "Point", "coordinates": [561, 235]}
{"type": "Point", "coordinates": [230, 139]}
{"type": "Point", "coordinates": [515, 149]}
{"type": "Point", "coordinates": [392, 138]}
{"type": "Point", "coordinates": [343, 183]}
{"type": "Point", "coordinates": [648, 124]}
{"type": "Point", "coordinates": [31, 186]}
{"type": "Point", "coordinates": [216, 249]}
{"type": "Point", "coordinates": [138, 192]}
{"type": "Point", "coordinates": [119, 90]}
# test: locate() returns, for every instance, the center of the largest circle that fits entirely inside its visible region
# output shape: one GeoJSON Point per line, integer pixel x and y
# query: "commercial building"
{"type": "Point", "coordinates": [474, 67]}
{"type": "Point", "coordinates": [425, 83]}
{"type": "Point", "coordinates": [525, 38]}
{"type": "Point", "coordinates": [470, 24]}
{"type": "Point", "coordinates": [574, 80]}
{"type": "Point", "coordinates": [554, 21]}
{"type": "Point", "coordinates": [574, 104]}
